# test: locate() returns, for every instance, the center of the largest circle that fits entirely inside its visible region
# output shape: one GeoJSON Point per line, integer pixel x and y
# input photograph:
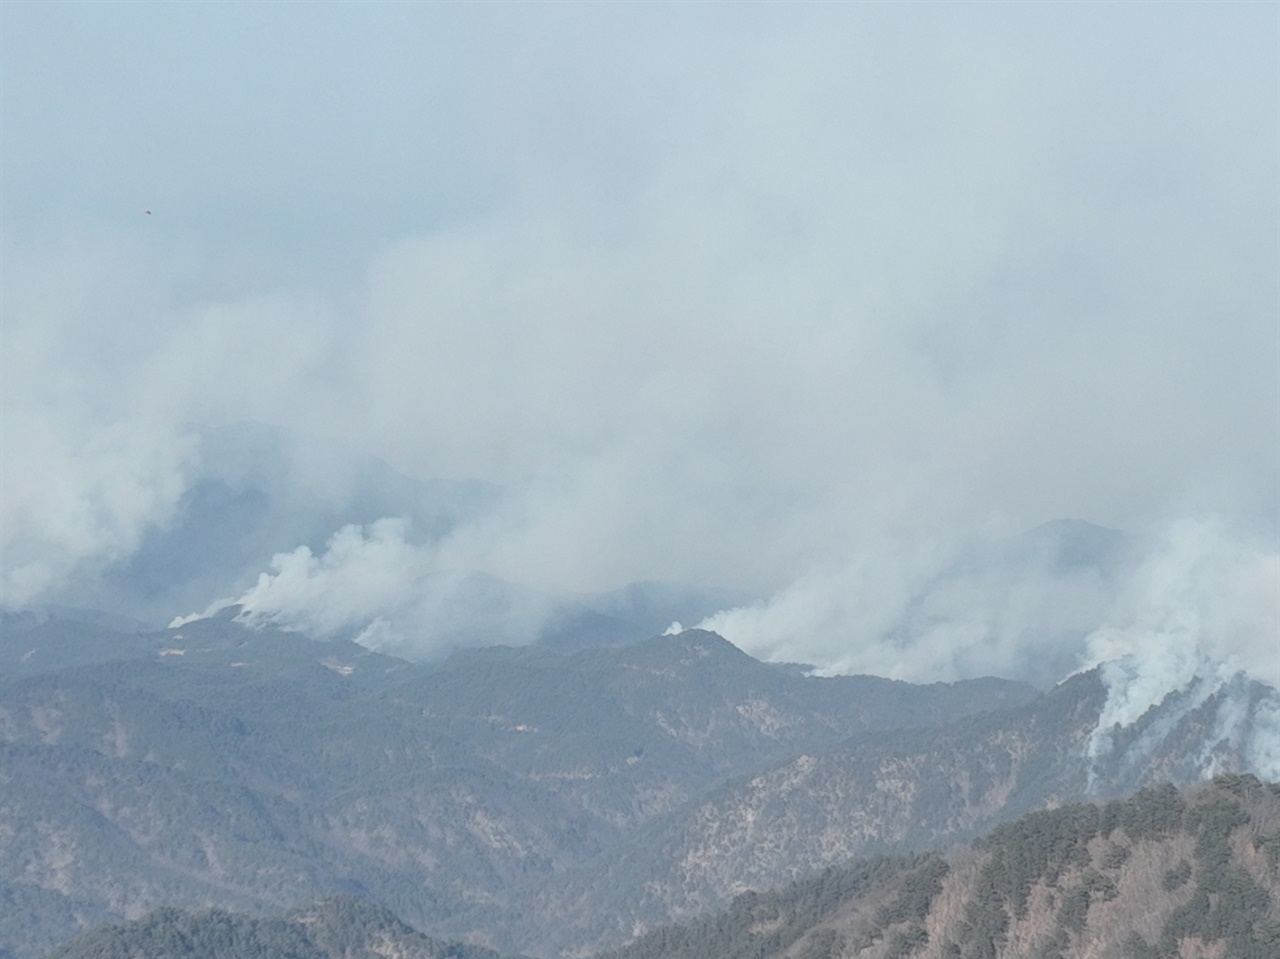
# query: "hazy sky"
{"type": "Point", "coordinates": [742, 294]}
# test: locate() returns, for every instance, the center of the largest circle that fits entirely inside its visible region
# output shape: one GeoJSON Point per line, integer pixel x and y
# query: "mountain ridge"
{"type": "Point", "coordinates": [259, 767]}
{"type": "Point", "coordinates": [1162, 873]}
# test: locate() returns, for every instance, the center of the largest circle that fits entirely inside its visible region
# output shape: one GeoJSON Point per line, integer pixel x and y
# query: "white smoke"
{"type": "Point", "coordinates": [1203, 607]}
{"type": "Point", "coordinates": [1264, 748]}
{"type": "Point", "coordinates": [940, 611]}
{"type": "Point", "coordinates": [75, 501]}
{"type": "Point", "coordinates": [1201, 591]}
{"type": "Point", "coordinates": [372, 585]}
{"type": "Point", "coordinates": [105, 383]}
{"type": "Point", "coordinates": [731, 298]}
{"type": "Point", "coordinates": [1189, 613]}
{"type": "Point", "coordinates": [1187, 610]}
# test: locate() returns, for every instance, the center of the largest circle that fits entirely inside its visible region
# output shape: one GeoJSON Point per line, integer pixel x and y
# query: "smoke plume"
{"type": "Point", "coordinates": [372, 585]}
{"type": "Point", "coordinates": [818, 303]}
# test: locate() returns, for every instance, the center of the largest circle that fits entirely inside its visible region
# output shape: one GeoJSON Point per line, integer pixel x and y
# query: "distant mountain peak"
{"type": "Point", "coordinates": [690, 646]}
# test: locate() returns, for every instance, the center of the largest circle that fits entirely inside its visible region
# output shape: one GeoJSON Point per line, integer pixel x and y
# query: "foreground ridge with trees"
{"type": "Point", "coordinates": [1162, 874]}
{"type": "Point", "coordinates": [336, 927]}
{"type": "Point", "coordinates": [536, 801]}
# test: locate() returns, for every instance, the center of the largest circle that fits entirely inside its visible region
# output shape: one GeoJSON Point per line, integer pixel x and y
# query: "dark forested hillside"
{"type": "Point", "coordinates": [532, 800]}
{"type": "Point", "coordinates": [888, 791]}
{"type": "Point", "coordinates": [338, 927]}
{"type": "Point", "coordinates": [1161, 875]}
{"type": "Point", "coordinates": [214, 764]}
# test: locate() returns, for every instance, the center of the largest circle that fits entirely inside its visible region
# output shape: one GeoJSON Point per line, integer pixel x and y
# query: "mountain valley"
{"type": "Point", "coordinates": [1162, 874]}
{"type": "Point", "coordinates": [526, 799]}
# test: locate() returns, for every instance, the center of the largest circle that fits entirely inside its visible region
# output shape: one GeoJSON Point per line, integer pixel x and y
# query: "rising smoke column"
{"type": "Point", "coordinates": [372, 585]}
{"type": "Point", "coordinates": [1201, 613]}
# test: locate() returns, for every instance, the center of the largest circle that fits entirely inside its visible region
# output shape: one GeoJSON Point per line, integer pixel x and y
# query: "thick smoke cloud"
{"type": "Point", "coordinates": [1199, 593]}
{"type": "Point", "coordinates": [374, 586]}
{"type": "Point", "coordinates": [807, 303]}
{"type": "Point", "coordinates": [91, 496]}
{"type": "Point", "coordinates": [1160, 610]}
{"type": "Point", "coordinates": [1200, 609]}
{"type": "Point", "coordinates": [938, 613]}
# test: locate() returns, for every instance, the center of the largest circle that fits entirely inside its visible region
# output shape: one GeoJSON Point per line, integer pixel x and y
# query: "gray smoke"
{"type": "Point", "coordinates": [815, 303]}
{"type": "Point", "coordinates": [1202, 609]}
{"type": "Point", "coordinates": [372, 585]}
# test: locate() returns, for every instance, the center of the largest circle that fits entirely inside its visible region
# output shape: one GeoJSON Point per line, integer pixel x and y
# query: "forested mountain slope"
{"type": "Point", "coordinates": [1161, 875]}
{"type": "Point", "coordinates": [894, 790]}
{"type": "Point", "coordinates": [531, 800]}
{"type": "Point", "coordinates": [339, 927]}
{"type": "Point", "coordinates": [217, 765]}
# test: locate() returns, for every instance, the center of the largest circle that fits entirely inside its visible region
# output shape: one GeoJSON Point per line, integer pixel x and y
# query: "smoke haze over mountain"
{"type": "Point", "coordinates": [814, 302]}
